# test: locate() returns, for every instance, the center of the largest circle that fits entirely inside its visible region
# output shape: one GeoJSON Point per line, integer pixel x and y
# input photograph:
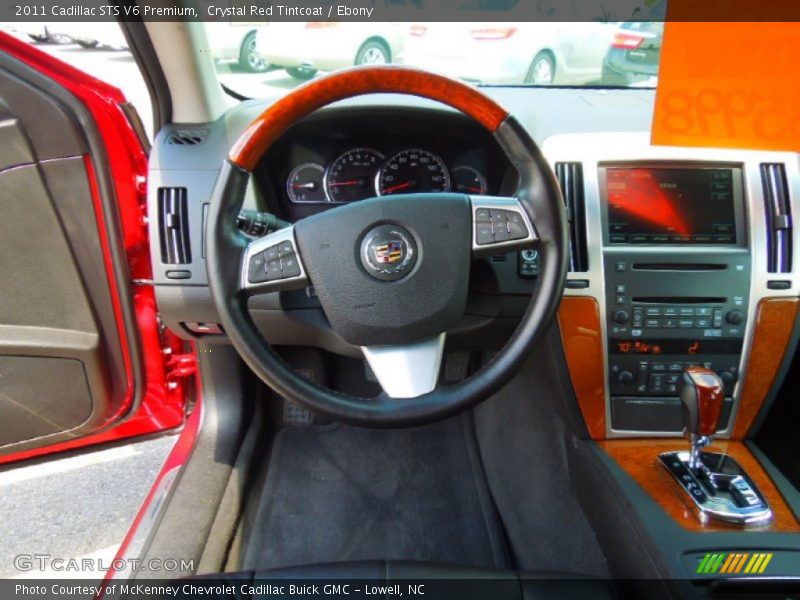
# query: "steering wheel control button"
{"type": "Point", "coordinates": [285, 248]}
{"type": "Point", "coordinates": [289, 266]}
{"type": "Point", "coordinates": [498, 225]}
{"type": "Point", "coordinates": [517, 229]}
{"type": "Point", "coordinates": [484, 233]}
{"type": "Point", "coordinates": [258, 271]}
{"type": "Point", "coordinates": [275, 263]}
{"type": "Point", "coordinates": [482, 215]}
{"type": "Point", "coordinates": [274, 269]}
{"type": "Point", "coordinates": [388, 252]}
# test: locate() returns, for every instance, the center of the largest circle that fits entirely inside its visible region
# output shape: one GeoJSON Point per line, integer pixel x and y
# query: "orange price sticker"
{"type": "Point", "coordinates": [728, 85]}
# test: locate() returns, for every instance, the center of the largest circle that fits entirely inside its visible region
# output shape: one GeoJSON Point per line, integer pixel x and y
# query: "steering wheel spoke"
{"type": "Point", "coordinates": [407, 371]}
{"type": "Point", "coordinates": [500, 224]}
{"type": "Point", "coordinates": [273, 263]}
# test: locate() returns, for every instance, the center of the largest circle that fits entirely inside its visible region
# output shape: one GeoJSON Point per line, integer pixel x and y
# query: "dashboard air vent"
{"type": "Point", "coordinates": [570, 178]}
{"type": "Point", "coordinates": [173, 225]}
{"type": "Point", "coordinates": [778, 211]}
{"type": "Point", "coordinates": [187, 137]}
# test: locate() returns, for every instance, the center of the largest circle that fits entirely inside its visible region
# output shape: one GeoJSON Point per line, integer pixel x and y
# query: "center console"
{"type": "Point", "coordinates": [677, 277]}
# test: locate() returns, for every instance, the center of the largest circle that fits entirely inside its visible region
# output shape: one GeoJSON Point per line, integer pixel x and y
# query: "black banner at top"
{"type": "Point", "coordinates": [386, 10]}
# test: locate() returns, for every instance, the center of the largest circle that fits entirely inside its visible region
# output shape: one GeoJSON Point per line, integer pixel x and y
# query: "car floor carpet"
{"type": "Point", "coordinates": [341, 493]}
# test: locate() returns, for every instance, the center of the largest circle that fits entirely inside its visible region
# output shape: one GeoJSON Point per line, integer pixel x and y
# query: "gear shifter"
{"type": "Point", "coordinates": [702, 394]}
{"type": "Point", "coordinates": [716, 486]}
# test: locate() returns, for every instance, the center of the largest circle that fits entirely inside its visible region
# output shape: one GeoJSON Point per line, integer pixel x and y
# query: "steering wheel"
{"type": "Point", "coordinates": [391, 273]}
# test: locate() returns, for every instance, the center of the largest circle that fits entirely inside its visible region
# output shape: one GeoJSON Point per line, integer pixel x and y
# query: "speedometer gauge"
{"type": "Point", "coordinates": [351, 177]}
{"type": "Point", "coordinates": [411, 171]}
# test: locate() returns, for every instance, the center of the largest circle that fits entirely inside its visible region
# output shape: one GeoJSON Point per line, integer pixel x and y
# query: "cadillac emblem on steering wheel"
{"type": "Point", "coordinates": [388, 252]}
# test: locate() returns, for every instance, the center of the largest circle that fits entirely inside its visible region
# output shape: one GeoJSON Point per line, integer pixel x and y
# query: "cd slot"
{"type": "Point", "coordinates": [679, 300]}
{"type": "Point", "coordinates": [679, 267]}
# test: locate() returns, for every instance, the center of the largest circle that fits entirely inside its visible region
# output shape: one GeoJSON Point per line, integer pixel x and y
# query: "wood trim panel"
{"type": "Point", "coordinates": [579, 321]}
{"type": "Point", "coordinates": [276, 119]}
{"type": "Point", "coordinates": [775, 318]}
{"type": "Point", "coordinates": [638, 458]}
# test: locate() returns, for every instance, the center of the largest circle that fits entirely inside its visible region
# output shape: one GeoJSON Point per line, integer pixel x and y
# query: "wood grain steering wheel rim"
{"type": "Point", "coordinates": [537, 199]}
{"type": "Point", "coordinates": [304, 100]}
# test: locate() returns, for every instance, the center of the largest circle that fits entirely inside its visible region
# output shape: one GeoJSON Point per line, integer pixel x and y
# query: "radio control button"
{"type": "Point", "coordinates": [686, 311]}
{"type": "Point", "coordinates": [734, 317]}
{"type": "Point", "coordinates": [669, 323]}
{"type": "Point", "coordinates": [703, 311]}
{"type": "Point", "coordinates": [652, 311]}
{"type": "Point", "coordinates": [670, 312]}
{"type": "Point", "coordinates": [703, 323]}
{"type": "Point", "coordinates": [620, 317]}
{"type": "Point", "coordinates": [653, 323]}
{"type": "Point", "coordinates": [717, 318]}
{"type": "Point", "coordinates": [685, 323]}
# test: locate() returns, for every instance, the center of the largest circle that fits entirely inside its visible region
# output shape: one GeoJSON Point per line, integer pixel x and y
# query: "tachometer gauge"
{"type": "Point", "coordinates": [468, 180]}
{"type": "Point", "coordinates": [411, 171]}
{"type": "Point", "coordinates": [351, 177]}
{"type": "Point", "coordinates": [305, 183]}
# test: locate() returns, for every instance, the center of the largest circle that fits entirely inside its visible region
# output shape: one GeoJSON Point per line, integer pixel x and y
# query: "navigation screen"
{"type": "Point", "coordinates": [652, 205]}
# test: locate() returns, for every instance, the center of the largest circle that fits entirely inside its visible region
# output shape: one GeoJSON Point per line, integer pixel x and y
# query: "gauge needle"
{"type": "Point", "coordinates": [338, 183]}
{"type": "Point", "coordinates": [399, 186]}
{"type": "Point", "coordinates": [472, 188]}
{"type": "Point", "coordinates": [305, 186]}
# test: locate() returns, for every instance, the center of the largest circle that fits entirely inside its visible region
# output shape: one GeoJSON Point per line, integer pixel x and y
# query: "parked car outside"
{"type": "Point", "coordinates": [236, 41]}
{"type": "Point", "coordinates": [541, 53]}
{"type": "Point", "coordinates": [38, 32]}
{"type": "Point", "coordinates": [305, 48]}
{"type": "Point", "coordinates": [635, 51]}
{"type": "Point", "coordinates": [88, 35]}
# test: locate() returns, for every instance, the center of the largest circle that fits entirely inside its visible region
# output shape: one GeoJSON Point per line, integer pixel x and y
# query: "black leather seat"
{"type": "Point", "coordinates": [439, 582]}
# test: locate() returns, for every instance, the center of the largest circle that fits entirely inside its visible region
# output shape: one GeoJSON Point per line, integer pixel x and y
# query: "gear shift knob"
{"type": "Point", "coordinates": [702, 394]}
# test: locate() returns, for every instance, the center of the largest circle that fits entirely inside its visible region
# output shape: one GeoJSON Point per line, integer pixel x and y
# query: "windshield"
{"type": "Point", "coordinates": [269, 59]}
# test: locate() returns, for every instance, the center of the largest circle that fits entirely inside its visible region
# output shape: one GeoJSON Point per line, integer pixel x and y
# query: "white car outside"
{"type": "Point", "coordinates": [544, 53]}
{"type": "Point", "coordinates": [307, 47]}
{"type": "Point", "coordinates": [236, 41]}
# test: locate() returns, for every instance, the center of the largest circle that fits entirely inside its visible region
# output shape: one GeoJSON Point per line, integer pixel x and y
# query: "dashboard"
{"type": "Point", "coordinates": [674, 250]}
{"type": "Point", "coordinates": [337, 158]}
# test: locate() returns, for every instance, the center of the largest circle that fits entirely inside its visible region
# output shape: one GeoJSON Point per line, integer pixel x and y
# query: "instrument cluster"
{"type": "Point", "coordinates": [364, 172]}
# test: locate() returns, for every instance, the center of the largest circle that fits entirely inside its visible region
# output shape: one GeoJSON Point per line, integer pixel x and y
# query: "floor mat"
{"type": "Point", "coordinates": [340, 493]}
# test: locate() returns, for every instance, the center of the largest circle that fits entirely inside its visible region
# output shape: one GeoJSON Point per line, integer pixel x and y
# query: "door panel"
{"type": "Point", "coordinates": [82, 358]}
{"type": "Point", "coordinates": [61, 365]}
